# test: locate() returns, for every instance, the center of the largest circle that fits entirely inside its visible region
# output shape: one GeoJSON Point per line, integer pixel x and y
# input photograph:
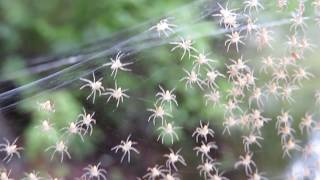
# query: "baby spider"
{"type": "Point", "coordinates": [205, 149]}
{"type": "Point", "coordinates": [234, 38]}
{"type": "Point", "coordinates": [213, 96]}
{"type": "Point", "coordinates": [94, 172]}
{"type": "Point", "coordinates": [45, 126]}
{"type": "Point", "coordinates": [247, 162]}
{"type": "Point", "coordinates": [252, 4]}
{"type": "Point", "coordinates": [229, 122]}
{"type": "Point", "coordinates": [207, 167]}
{"type": "Point", "coordinates": [263, 38]}
{"type": "Point", "coordinates": [117, 93]}
{"type": "Point", "coordinates": [217, 176]}
{"type": "Point", "coordinates": [10, 149]}
{"type": "Point", "coordinates": [73, 129]}
{"type": "Point", "coordinates": [211, 77]}
{"type": "Point", "coordinates": [61, 148]}
{"type": "Point", "coordinates": [170, 176]}
{"type": "Point", "coordinates": [166, 96]}
{"type": "Point", "coordinates": [126, 147]}
{"type": "Point", "coordinates": [154, 172]}
{"type": "Point", "coordinates": [158, 112]}
{"type": "Point", "coordinates": [257, 176]}
{"type": "Point", "coordinates": [32, 176]}
{"type": "Point", "coordinates": [163, 27]}
{"type": "Point", "coordinates": [301, 74]}
{"type": "Point", "coordinates": [185, 45]}
{"type": "Point", "coordinates": [4, 174]}
{"type": "Point", "coordinates": [96, 86]}
{"type": "Point", "coordinates": [168, 130]}
{"type": "Point", "coordinates": [298, 21]}
{"type": "Point", "coordinates": [173, 158]}
{"type": "Point", "coordinates": [192, 78]}
{"type": "Point", "coordinates": [228, 17]}
{"type": "Point", "coordinates": [251, 139]}
{"type": "Point", "coordinates": [201, 59]}
{"type": "Point", "coordinates": [87, 121]}
{"type": "Point", "coordinates": [46, 106]}
{"type": "Point", "coordinates": [116, 64]}
{"type": "Point", "coordinates": [286, 132]}
{"type": "Point", "coordinates": [203, 131]}
{"type": "Point", "coordinates": [290, 145]}
{"type": "Point", "coordinates": [307, 123]}
{"type": "Point", "coordinates": [284, 119]}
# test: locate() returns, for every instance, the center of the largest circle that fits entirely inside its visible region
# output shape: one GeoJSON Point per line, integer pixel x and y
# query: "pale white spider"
{"type": "Point", "coordinates": [307, 123]}
{"type": "Point", "coordinates": [192, 78]}
{"type": "Point", "coordinates": [252, 4]}
{"type": "Point", "coordinates": [251, 139]}
{"type": "Point", "coordinates": [170, 176]}
{"type": "Point", "coordinates": [240, 64]}
{"type": "Point", "coordinates": [257, 176]}
{"type": "Point", "coordinates": [205, 149]}
{"type": "Point", "coordinates": [290, 145]}
{"type": "Point", "coordinates": [263, 38]}
{"type": "Point", "coordinates": [96, 86]}
{"type": "Point", "coordinates": [298, 21]}
{"type": "Point", "coordinates": [158, 112]}
{"type": "Point", "coordinates": [45, 126]}
{"type": "Point", "coordinates": [229, 122]}
{"type": "Point", "coordinates": [301, 74]}
{"type": "Point", "coordinates": [94, 172]}
{"type": "Point", "coordinates": [207, 167]}
{"type": "Point", "coordinates": [285, 132]}
{"type": "Point", "coordinates": [280, 74]}
{"type": "Point", "coordinates": [234, 38]}
{"type": "Point", "coordinates": [282, 3]}
{"type": "Point", "coordinates": [126, 148]}
{"type": "Point", "coordinates": [257, 96]}
{"type": "Point", "coordinates": [201, 59]}
{"type": "Point", "coordinates": [10, 149]}
{"type": "Point", "coordinates": [235, 92]}
{"type": "Point", "coordinates": [203, 131]}
{"type": "Point", "coordinates": [173, 158]}
{"type": "Point", "coordinates": [61, 148]}
{"type": "Point", "coordinates": [213, 96]}
{"type": "Point", "coordinates": [211, 77]}
{"type": "Point", "coordinates": [166, 96]}
{"type": "Point", "coordinates": [284, 119]}
{"type": "Point", "coordinates": [273, 89]}
{"type": "Point", "coordinates": [32, 176]}
{"type": "Point", "coordinates": [231, 106]}
{"type": "Point", "coordinates": [168, 129]}
{"type": "Point", "coordinates": [46, 106]}
{"type": "Point", "coordinates": [73, 129]}
{"type": "Point", "coordinates": [87, 121]}
{"type": "Point", "coordinates": [185, 45]}
{"type": "Point", "coordinates": [217, 176]}
{"type": "Point", "coordinates": [4, 174]}
{"type": "Point", "coordinates": [163, 26]}
{"type": "Point", "coordinates": [117, 93]}
{"type": "Point", "coordinates": [116, 64]}
{"type": "Point", "coordinates": [247, 162]}
{"type": "Point", "coordinates": [250, 26]}
{"type": "Point", "coordinates": [287, 91]}
{"type": "Point", "coordinates": [267, 62]}
{"type": "Point", "coordinates": [227, 17]}
{"type": "Point", "coordinates": [154, 172]}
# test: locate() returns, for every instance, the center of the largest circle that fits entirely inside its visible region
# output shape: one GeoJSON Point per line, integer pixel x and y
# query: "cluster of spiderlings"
{"type": "Point", "coordinates": [243, 108]}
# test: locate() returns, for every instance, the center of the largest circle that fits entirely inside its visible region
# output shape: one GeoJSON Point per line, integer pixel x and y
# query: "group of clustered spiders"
{"type": "Point", "coordinates": [286, 77]}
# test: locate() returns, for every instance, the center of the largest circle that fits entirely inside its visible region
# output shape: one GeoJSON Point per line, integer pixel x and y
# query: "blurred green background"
{"type": "Point", "coordinates": [32, 28]}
